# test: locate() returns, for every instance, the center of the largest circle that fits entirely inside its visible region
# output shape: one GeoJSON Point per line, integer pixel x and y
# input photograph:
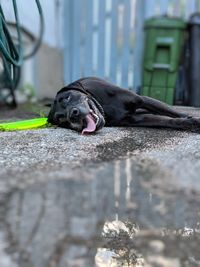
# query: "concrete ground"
{"type": "Point", "coordinates": [73, 200]}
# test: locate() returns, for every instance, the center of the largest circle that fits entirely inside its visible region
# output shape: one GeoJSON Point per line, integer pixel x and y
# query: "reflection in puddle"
{"type": "Point", "coordinates": [117, 186]}
{"type": "Point", "coordinates": [129, 183]}
{"type": "Point", "coordinates": [59, 223]}
{"type": "Point", "coordinates": [118, 249]}
{"type": "Point", "coordinates": [119, 246]}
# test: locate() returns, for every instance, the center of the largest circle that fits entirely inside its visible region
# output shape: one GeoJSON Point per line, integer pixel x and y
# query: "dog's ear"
{"type": "Point", "coordinates": [52, 112]}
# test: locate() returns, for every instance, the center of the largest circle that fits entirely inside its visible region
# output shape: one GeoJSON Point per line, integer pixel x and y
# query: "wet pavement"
{"type": "Point", "coordinates": [121, 197]}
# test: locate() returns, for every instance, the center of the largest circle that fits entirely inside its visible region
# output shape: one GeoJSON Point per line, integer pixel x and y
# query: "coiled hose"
{"type": "Point", "coordinates": [11, 54]}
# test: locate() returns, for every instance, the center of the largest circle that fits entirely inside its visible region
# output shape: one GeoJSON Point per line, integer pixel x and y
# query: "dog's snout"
{"type": "Point", "coordinates": [59, 115]}
{"type": "Point", "coordinates": [74, 112]}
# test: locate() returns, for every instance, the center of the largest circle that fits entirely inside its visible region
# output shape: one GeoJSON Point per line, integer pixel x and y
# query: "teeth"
{"type": "Point", "coordinates": [97, 118]}
{"type": "Point", "coordinates": [95, 115]}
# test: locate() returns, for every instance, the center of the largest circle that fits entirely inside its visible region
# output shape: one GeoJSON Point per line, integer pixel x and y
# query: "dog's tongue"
{"type": "Point", "coordinates": [91, 125]}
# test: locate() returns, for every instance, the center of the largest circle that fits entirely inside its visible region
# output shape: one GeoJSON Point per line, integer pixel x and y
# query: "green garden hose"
{"type": "Point", "coordinates": [12, 54]}
{"type": "Point", "coordinates": [10, 51]}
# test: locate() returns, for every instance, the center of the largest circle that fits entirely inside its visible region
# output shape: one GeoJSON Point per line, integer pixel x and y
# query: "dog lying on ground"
{"type": "Point", "coordinates": [88, 104]}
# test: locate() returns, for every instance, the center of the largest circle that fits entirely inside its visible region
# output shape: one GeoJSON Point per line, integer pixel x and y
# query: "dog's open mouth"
{"type": "Point", "coordinates": [92, 121]}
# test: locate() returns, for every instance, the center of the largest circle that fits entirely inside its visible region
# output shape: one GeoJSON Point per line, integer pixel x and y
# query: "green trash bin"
{"type": "Point", "coordinates": [164, 38]}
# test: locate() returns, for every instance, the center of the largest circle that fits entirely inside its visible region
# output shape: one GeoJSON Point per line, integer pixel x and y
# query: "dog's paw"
{"type": "Point", "coordinates": [194, 124]}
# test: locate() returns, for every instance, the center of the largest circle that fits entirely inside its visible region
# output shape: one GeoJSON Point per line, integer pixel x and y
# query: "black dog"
{"type": "Point", "coordinates": [88, 104]}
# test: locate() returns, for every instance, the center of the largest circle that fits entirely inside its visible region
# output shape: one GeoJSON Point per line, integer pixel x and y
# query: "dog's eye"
{"type": "Point", "coordinates": [67, 98]}
{"type": "Point", "coordinates": [64, 99]}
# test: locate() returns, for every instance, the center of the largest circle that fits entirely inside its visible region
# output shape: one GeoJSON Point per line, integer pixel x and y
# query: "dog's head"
{"type": "Point", "coordinates": [76, 110]}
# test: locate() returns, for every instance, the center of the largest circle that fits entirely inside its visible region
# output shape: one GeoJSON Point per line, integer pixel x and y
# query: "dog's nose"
{"type": "Point", "coordinates": [74, 112]}
{"type": "Point", "coordinates": [59, 115]}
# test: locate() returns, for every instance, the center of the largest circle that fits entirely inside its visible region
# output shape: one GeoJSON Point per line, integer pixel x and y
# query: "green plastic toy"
{"type": "Point", "coordinates": [24, 125]}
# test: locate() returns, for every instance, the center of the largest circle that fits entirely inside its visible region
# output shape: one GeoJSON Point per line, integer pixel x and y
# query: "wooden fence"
{"type": "Point", "coordinates": [104, 38]}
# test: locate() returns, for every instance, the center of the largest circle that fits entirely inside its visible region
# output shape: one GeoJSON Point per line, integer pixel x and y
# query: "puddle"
{"type": "Point", "coordinates": [128, 212]}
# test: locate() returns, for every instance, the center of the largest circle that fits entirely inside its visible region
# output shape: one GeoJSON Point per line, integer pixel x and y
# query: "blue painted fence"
{"type": "Point", "coordinates": [104, 38]}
